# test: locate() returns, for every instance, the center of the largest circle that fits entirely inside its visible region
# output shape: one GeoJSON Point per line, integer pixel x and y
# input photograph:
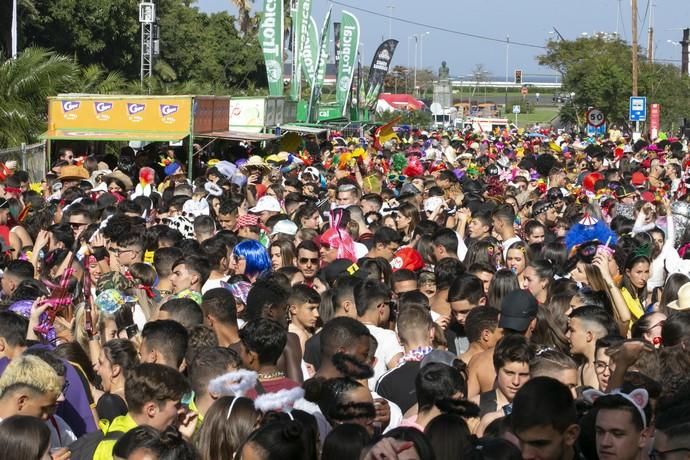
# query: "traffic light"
{"type": "Point", "coordinates": [518, 77]}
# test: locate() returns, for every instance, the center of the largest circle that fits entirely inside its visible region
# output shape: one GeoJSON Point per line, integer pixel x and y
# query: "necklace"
{"type": "Point", "coordinates": [271, 375]}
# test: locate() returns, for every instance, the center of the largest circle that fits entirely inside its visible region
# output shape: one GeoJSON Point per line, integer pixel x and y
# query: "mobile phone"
{"type": "Point", "coordinates": [132, 330]}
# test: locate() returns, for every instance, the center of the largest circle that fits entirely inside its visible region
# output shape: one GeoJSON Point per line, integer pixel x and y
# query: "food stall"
{"type": "Point", "coordinates": [90, 117]}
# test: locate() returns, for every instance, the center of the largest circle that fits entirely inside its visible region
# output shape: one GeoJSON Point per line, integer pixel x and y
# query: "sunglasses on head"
{"type": "Point", "coordinates": [587, 251]}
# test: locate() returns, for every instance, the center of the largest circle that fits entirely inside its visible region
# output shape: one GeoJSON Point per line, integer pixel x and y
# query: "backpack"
{"type": "Point", "coordinates": [85, 447]}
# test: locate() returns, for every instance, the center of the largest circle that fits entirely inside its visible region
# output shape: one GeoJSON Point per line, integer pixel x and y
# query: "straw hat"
{"type": "Point", "coordinates": [73, 172]}
{"type": "Point", "coordinates": [255, 161]}
{"type": "Point", "coordinates": [683, 302]}
{"type": "Point", "coordinates": [122, 177]}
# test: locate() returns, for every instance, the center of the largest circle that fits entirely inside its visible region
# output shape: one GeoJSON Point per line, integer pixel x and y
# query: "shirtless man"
{"type": "Point", "coordinates": [585, 326]}
{"type": "Point", "coordinates": [518, 316]}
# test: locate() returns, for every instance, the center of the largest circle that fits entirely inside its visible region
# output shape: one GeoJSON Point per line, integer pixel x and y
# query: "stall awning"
{"type": "Point", "coordinates": [113, 135]}
{"type": "Point", "coordinates": [238, 136]}
{"type": "Point", "coordinates": [303, 129]}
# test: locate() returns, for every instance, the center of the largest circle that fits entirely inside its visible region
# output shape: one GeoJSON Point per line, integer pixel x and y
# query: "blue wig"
{"type": "Point", "coordinates": [256, 255]}
{"type": "Point", "coordinates": [589, 229]}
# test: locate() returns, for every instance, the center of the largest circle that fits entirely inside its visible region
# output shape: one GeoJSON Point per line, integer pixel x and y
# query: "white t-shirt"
{"type": "Point", "coordinates": [212, 284]}
{"type": "Point", "coordinates": [508, 243]}
{"type": "Point", "coordinates": [360, 250]}
{"type": "Point", "coordinates": [388, 347]}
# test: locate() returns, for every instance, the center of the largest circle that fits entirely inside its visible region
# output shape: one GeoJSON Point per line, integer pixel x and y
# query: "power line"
{"type": "Point", "coordinates": [439, 28]}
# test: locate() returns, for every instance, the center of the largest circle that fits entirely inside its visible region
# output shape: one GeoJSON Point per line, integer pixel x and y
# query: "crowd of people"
{"type": "Point", "coordinates": [403, 295]}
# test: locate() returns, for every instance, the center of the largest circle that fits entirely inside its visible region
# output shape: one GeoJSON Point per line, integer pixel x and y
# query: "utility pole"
{"type": "Point", "coordinates": [685, 47]}
{"type": "Point", "coordinates": [416, 44]}
{"type": "Point", "coordinates": [507, 51]}
{"type": "Point", "coordinates": [634, 47]}
{"type": "Point", "coordinates": [650, 34]}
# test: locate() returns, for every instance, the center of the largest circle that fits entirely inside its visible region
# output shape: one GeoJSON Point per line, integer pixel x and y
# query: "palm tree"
{"type": "Point", "coordinates": [243, 6]}
{"type": "Point", "coordinates": [25, 83]}
{"type": "Point", "coordinates": [94, 79]}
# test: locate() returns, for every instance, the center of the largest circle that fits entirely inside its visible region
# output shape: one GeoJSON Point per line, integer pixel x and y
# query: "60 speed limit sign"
{"type": "Point", "coordinates": [595, 117]}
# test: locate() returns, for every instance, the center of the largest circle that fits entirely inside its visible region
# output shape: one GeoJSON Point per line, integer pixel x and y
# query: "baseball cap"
{"type": "Point", "coordinates": [407, 258]}
{"type": "Point", "coordinates": [518, 309]}
{"type": "Point", "coordinates": [285, 226]}
{"type": "Point", "coordinates": [440, 357]}
{"type": "Point", "coordinates": [638, 178]}
{"type": "Point", "coordinates": [266, 203]}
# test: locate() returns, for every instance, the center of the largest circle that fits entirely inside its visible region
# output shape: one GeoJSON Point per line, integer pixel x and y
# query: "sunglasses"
{"type": "Point", "coordinates": [587, 251]}
{"type": "Point", "coordinates": [306, 260]}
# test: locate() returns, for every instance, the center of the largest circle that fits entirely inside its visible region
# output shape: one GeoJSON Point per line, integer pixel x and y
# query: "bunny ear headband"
{"type": "Point", "coordinates": [233, 383]}
{"type": "Point", "coordinates": [283, 400]}
{"type": "Point", "coordinates": [639, 398]}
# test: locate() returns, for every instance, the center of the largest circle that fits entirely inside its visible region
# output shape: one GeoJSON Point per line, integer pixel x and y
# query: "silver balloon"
{"type": "Point", "coordinates": [681, 219]}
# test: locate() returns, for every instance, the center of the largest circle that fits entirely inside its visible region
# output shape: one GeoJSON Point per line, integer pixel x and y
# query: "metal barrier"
{"type": "Point", "coordinates": [29, 158]}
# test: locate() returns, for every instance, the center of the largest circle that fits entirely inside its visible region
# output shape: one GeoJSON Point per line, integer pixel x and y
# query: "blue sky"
{"type": "Point", "coordinates": [527, 21]}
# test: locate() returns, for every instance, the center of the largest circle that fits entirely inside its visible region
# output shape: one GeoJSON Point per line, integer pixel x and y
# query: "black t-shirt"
{"type": "Point", "coordinates": [397, 385]}
{"type": "Point", "coordinates": [312, 350]}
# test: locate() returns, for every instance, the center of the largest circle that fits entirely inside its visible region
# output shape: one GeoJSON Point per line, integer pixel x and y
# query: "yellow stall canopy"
{"type": "Point", "coordinates": [115, 118]}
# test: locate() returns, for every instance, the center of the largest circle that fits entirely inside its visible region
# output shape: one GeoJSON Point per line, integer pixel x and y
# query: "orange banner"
{"type": "Point", "coordinates": [131, 114]}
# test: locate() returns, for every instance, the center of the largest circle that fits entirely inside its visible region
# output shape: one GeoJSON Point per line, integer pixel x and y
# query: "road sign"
{"type": "Point", "coordinates": [595, 118]}
{"type": "Point", "coordinates": [596, 130]}
{"type": "Point", "coordinates": [638, 108]}
{"type": "Point", "coordinates": [516, 109]}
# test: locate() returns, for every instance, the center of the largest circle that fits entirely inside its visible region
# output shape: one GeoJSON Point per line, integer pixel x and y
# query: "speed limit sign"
{"type": "Point", "coordinates": [595, 117]}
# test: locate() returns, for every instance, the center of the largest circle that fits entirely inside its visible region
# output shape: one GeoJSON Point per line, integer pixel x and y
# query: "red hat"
{"type": "Point", "coordinates": [590, 180]}
{"type": "Point", "coordinates": [647, 196]}
{"type": "Point", "coordinates": [638, 179]}
{"type": "Point", "coordinates": [407, 258]}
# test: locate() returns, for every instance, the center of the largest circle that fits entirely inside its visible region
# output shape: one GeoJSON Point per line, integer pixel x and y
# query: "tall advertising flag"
{"type": "Point", "coordinates": [271, 36]}
{"type": "Point", "coordinates": [336, 42]}
{"type": "Point", "coordinates": [310, 52]}
{"type": "Point", "coordinates": [301, 29]}
{"type": "Point", "coordinates": [349, 45]}
{"type": "Point", "coordinates": [380, 66]}
{"type": "Point", "coordinates": [322, 60]}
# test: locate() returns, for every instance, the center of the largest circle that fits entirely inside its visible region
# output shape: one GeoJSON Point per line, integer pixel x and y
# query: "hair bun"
{"type": "Point", "coordinates": [292, 431]}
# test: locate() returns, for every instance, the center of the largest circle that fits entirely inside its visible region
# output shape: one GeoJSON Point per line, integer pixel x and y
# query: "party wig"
{"type": "Point", "coordinates": [258, 260]}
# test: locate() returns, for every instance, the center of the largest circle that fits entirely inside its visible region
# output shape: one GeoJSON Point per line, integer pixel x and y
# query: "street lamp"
{"type": "Point", "coordinates": [417, 39]}
{"type": "Point", "coordinates": [407, 74]}
{"type": "Point", "coordinates": [421, 48]}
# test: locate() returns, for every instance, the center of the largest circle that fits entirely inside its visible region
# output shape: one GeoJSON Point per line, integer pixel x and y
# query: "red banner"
{"type": "Point", "coordinates": [654, 120]}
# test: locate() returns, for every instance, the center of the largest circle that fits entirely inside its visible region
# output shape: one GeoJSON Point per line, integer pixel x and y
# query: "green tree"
{"type": "Point", "coordinates": [207, 48]}
{"type": "Point", "coordinates": [25, 83]}
{"type": "Point", "coordinates": [95, 79]}
{"type": "Point", "coordinates": [598, 71]}
{"type": "Point", "coordinates": [102, 32]}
